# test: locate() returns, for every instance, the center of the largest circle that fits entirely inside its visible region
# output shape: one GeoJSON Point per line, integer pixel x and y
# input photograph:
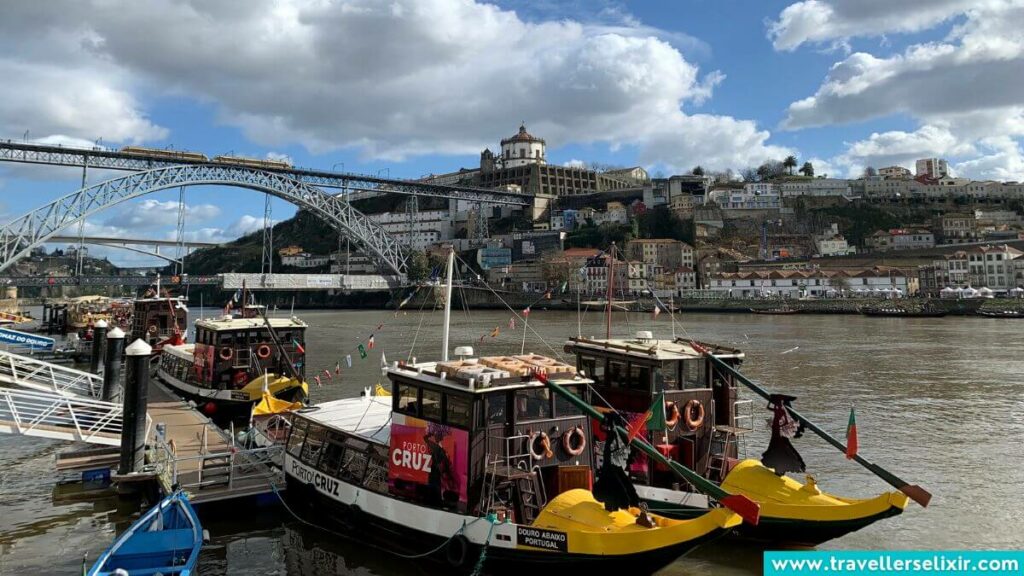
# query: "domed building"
{"type": "Point", "coordinates": [522, 149]}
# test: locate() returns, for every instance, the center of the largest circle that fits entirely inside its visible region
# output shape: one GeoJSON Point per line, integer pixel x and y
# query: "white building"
{"type": "Point", "coordinates": [900, 239]}
{"type": "Point", "coordinates": [418, 230]}
{"type": "Point", "coordinates": [832, 243]}
{"type": "Point", "coordinates": [799, 283]}
{"type": "Point", "coordinates": [522, 149]}
{"type": "Point", "coordinates": [999, 268]}
{"type": "Point", "coordinates": [932, 168]}
{"type": "Point", "coordinates": [814, 187]}
{"type": "Point", "coordinates": [754, 196]}
{"type": "Point", "coordinates": [305, 260]}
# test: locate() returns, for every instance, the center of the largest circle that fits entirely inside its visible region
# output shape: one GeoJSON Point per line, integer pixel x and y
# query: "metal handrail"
{"type": "Point", "coordinates": [27, 372]}
{"type": "Point", "coordinates": [49, 415]}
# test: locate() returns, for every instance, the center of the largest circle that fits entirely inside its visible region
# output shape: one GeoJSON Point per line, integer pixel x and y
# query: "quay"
{"type": "Point", "coordinates": [151, 441]}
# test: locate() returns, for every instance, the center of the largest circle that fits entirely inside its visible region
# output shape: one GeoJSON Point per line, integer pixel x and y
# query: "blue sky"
{"type": "Point", "coordinates": [408, 88]}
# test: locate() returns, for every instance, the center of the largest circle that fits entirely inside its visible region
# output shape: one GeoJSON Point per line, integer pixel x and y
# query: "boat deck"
{"type": "Point", "coordinates": [366, 416]}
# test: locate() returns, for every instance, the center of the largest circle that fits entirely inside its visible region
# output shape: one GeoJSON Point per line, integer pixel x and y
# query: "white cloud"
{"type": "Point", "coordinates": [150, 214]}
{"type": "Point", "coordinates": [821, 21]}
{"type": "Point", "coordinates": [390, 80]}
{"type": "Point", "coordinates": [1003, 161]}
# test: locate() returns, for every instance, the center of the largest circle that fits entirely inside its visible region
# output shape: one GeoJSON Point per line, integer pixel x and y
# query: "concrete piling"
{"type": "Point", "coordinates": [99, 341]}
{"type": "Point", "coordinates": [112, 363]}
{"type": "Point", "coordinates": [134, 399]}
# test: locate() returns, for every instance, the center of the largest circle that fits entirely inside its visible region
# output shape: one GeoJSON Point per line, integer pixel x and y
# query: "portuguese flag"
{"type": "Point", "coordinates": [654, 418]}
{"type": "Point", "coordinates": [851, 436]}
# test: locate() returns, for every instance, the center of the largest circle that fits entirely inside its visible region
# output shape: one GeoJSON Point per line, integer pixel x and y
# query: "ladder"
{"type": "Point", "coordinates": [730, 439]}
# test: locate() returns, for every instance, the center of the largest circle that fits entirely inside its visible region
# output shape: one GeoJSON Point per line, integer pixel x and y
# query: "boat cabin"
{"type": "Point", "coordinates": [231, 351]}
{"type": "Point", "coordinates": [703, 412]}
{"type": "Point", "coordinates": [474, 435]}
{"type": "Point", "coordinates": [156, 320]}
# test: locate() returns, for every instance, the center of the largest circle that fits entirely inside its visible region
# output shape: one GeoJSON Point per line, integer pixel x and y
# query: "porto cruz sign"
{"type": "Point", "coordinates": [428, 462]}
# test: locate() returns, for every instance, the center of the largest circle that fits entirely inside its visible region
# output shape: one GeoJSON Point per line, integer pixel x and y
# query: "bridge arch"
{"type": "Point", "coordinates": [19, 236]}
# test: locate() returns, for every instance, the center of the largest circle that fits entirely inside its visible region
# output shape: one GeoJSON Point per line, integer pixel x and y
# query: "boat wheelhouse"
{"type": "Point", "coordinates": [158, 321]}
{"type": "Point", "coordinates": [234, 358]}
{"type": "Point", "coordinates": [706, 422]}
{"type": "Point", "coordinates": [473, 453]}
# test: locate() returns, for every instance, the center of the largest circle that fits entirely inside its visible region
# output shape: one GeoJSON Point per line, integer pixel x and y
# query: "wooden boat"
{"type": "Point", "coordinates": [1001, 313]}
{"type": "Point", "coordinates": [471, 465]}
{"type": "Point", "coordinates": [159, 321]}
{"type": "Point", "coordinates": [234, 358]}
{"type": "Point", "coordinates": [412, 477]}
{"type": "Point", "coordinates": [706, 420]}
{"type": "Point", "coordinates": [165, 540]}
{"type": "Point", "coordinates": [901, 312]}
{"type": "Point", "coordinates": [785, 310]}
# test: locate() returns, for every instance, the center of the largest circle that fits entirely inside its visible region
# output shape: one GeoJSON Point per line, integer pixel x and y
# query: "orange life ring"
{"type": "Point", "coordinates": [671, 414]}
{"type": "Point", "coordinates": [226, 353]}
{"type": "Point", "coordinates": [694, 422]}
{"type": "Point", "coordinates": [545, 444]}
{"type": "Point", "coordinates": [571, 436]}
{"type": "Point", "coordinates": [263, 351]}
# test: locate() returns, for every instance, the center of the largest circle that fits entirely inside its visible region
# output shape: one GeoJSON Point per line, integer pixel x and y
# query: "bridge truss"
{"type": "Point", "coordinates": [21, 235]}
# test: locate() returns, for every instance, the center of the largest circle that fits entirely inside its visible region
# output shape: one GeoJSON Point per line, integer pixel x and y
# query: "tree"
{"type": "Point", "coordinates": [418, 266]}
{"type": "Point", "coordinates": [789, 163]}
{"type": "Point", "coordinates": [771, 169]}
{"type": "Point", "coordinates": [807, 169]}
{"type": "Point", "coordinates": [697, 170]}
{"type": "Point", "coordinates": [750, 174]}
{"type": "Point", "coordinates": [870, 172]}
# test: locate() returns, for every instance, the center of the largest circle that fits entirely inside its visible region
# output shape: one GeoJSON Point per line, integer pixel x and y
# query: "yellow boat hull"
{"type": "Point", "coordinates": [798, 514]}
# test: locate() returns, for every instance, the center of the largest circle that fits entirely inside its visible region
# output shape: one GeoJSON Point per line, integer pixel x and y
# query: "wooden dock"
{"type": "Point", "coordinates": [201, 457]}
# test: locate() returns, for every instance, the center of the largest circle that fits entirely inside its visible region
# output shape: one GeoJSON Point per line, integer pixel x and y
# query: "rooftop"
{"type": "Point", "coordinates": [522, 136]}
{"type": "Point", "coordinates": [234, 323]}
{"type": "Point", "coordinates": [480, 375]}
{"type": "Point", "coordinates": [678, 349]}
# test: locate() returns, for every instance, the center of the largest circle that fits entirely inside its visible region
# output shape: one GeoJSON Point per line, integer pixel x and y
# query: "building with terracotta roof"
{"type": "Point", "coordinates": [999, 268]}
{"type": "Point", "coordinates": [877, 281]}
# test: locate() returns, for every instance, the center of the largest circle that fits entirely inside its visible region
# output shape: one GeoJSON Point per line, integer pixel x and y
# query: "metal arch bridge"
{"type": "Point", "coordinates": [21, 235]}
{"type": "Point", "coordinates": [115, 160]}
{"type": "Point", "coordinates": [131, 244]}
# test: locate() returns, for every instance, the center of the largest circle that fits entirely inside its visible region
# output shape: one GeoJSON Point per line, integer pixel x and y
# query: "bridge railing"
{"type": "Point", "coordinates": [42, 376]}
{"type": "Point", "coordinates": [48, 415]}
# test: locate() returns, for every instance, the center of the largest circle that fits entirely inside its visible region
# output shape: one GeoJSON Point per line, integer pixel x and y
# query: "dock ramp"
{"type": "Point", "coordinates": [60, 417]}
{"type": "Point", "coordinates": [42, 376]}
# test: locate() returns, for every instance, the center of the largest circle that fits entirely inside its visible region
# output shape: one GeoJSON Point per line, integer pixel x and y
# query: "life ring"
{"type": "Point", "coordinates": [226, 353]}
{"type": "Point", "coordinates": [671, 414]}
{"type": "Point", "coordinates": [694, 422]}
{"type": "Point", "coordinates": [456, 551]}
{"type": "Point", "coordinates": [574, 436]}
{"type": "Point", "coordinates": [263, 351]}
{"type": "Point", "coordinates": [153, 329]}
{"type": "Point", "coordinates": [545, 444]}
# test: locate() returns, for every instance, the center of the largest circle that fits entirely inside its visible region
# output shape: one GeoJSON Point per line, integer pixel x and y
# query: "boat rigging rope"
{"type": "Point", "coordinates": [459, 532]}
{"type": "Point", "coordinates": [526, 324]}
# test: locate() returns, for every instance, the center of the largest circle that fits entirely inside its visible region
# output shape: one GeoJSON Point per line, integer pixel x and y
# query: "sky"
{"type": "Point", "coordinates": [406, 88]}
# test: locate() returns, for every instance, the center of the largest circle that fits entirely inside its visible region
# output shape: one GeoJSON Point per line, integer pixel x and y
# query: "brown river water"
{"type": "Point", "coordinates": [939, 401]}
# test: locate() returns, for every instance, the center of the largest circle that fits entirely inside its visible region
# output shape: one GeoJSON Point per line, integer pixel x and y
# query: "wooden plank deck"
{"type": "Point", "coordinates": [185, 426]}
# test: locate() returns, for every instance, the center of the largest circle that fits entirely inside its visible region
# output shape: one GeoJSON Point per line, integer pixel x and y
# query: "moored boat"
{"type": "Point", "coordinates": [464, 456]}
{"type": "Point", "coordinates": [1001, 313]}
{"type": "Point", "coordinates": [159, 321]}
{"type": "Point", "coordinates": [705, 423]}
{"type": "Point", "coordinates": [234, 358]}
{"type": "Point", "coordinates": [164, 540]}
{"type": "Point", "coordinates": [901, 312]}
{"type": "Point", "coordinates": [781, 310]}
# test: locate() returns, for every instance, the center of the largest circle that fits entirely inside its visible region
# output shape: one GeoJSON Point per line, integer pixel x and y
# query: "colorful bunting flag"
{"type": "Point", "coordinates": [298, 347]}
{"type": "Point", "coordinates": [371, 342]}
{"type": "Point", "coordinates": [362, 351]}
{"type": "Point", "coordinates": [337, 368]}
{"type": "Point", "coordinates": [495, 332]}
{"type": "Point", "coordinates": [526, 312]}
{"type": "Point", "coordinates": [657, 310]}
{"type": "Point", "coordinates": [317, 380]}
{"type": "Point", "coordinates": [327, 373]}
{"type": "Point", "coordinates": [512, 323]}
{"type": "Point", "coordinates": [348, 360]}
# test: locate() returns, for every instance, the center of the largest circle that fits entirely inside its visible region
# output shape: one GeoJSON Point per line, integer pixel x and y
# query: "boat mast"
{"type": "Point", "coordinates": [608, 296]}
{"type": "Point", "coordinates": [447, 304]}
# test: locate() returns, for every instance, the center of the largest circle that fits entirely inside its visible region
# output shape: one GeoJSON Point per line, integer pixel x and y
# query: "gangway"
{"type": "Point", "coordinates": [43, 376]}
{"type": "Point", "coordinates": [52, 415]}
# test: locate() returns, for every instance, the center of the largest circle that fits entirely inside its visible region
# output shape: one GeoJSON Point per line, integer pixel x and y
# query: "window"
{"type": "Point", "coordinates": [458, 410]}
{"type": "Point", "coordinates": [693, 374]}
{"type": "Point", "coordinates": [314, 444]}
{"type": "Point", "coordinates": [639, 377]}
{"type": "Point", "coordinates": [533, 404]}
{"type": "Point", "coordinates": [616, 374]}
{"type": "Point", "coordinates": [408, 399]}
{"type": "Point", "coordinates": [496, 404]}
{"type": "Point", "coordinates": [297, 436]}
{"type": "Point", "coordinates": [431, 401]}
{"type": "Point", "coordinates": [666, 376]}
{"type": "Point", "coordinates": [564, 407]}
{"type": "Point", "coordinates": [334, 455]}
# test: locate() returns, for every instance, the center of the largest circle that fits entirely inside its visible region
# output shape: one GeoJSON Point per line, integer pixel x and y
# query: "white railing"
{"type": "Point", "coordinates": [187, 471]}
{"type": "Point", "coordinates": [42, 376]}
{"type": "Point", "coordinates": [49, 415]}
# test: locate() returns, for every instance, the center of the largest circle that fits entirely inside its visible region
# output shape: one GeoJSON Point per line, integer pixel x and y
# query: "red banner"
{"type": "Point", "coordinates": [428, 461]}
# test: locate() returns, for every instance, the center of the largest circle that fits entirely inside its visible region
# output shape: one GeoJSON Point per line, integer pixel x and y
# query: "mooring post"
{"type": "Point", "coordinates": [112, 363]}
{"type": "Point", "coordinates": [99, 340]}
{"type": "Point", "coordinates": [135, 396]}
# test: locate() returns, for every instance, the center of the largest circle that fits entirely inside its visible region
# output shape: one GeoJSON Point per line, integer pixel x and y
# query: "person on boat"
{"type": "Point", "coordinates": [781, 455]}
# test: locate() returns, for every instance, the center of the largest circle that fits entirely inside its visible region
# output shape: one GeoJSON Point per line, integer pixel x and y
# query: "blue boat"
{"type": "Point", "coordinates": [165, 540]}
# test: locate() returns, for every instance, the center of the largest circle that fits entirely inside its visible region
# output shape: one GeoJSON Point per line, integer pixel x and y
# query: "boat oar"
{"type": "Point", "coordinates": [749, 510]}
{"type": "Point", "coordinates": [915, 492]}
